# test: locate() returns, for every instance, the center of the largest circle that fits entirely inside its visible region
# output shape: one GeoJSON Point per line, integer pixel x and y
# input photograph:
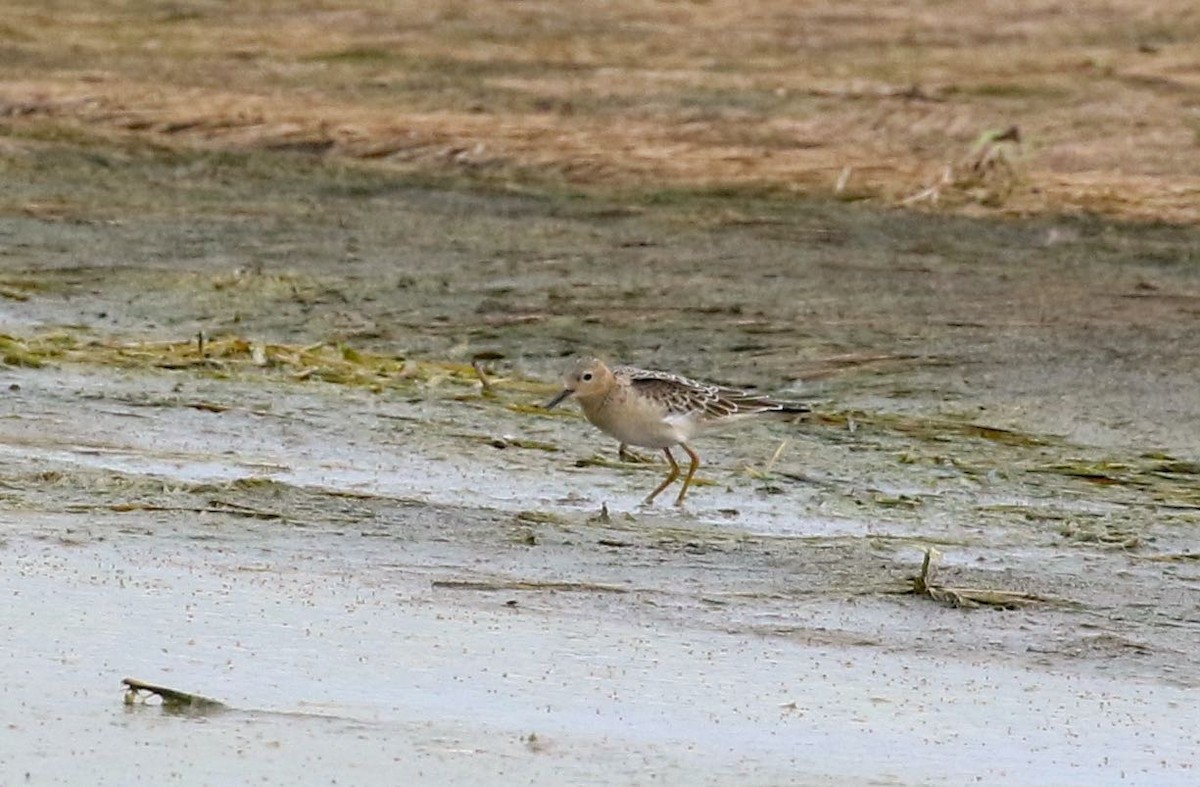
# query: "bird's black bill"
{"type": "Point", "coordinates": [550, 405]}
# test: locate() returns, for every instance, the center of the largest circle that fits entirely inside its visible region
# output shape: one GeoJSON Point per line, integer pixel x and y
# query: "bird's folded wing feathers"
{"type": "Point", "coordinates": [681, 395]}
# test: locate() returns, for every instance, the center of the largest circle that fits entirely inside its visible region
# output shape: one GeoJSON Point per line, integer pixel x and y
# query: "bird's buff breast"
{"type": "Point", "coordinates": [635, 421]}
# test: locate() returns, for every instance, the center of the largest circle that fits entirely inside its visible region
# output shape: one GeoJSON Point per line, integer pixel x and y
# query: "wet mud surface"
{"type": "Point", "coordinates": [322, 519]}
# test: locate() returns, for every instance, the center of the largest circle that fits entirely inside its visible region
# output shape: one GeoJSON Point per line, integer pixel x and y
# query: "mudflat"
{"type": "Point", "coordinates": [252, 257]}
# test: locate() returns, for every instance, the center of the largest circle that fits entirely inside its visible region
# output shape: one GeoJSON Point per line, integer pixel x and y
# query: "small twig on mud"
{"type": "Point", "coordinates": [1173, 557]}
{"type": "Point", "coordinates": [633, 457]}
{"type": "Point", "coordinates": [932, 193]}
{"type": "Point", "coordinates": [965, 598]}
{"type": "Point", "coordinates": [775, 456]}
{"type": "Point", "coordinates": [215, 507]}
{"type": "Point", "coordinates": [209, 407]}
{"type": "Point", "coordinates": [603, 517]}
{"type": "Point", "coordinates": [508, 441]}
{"type": "Point", "coordinates": [477, 364]}
{"type": "Point", "coordinates": [489, 585]}
{"type": "Point", "coordinates": [596, 460]}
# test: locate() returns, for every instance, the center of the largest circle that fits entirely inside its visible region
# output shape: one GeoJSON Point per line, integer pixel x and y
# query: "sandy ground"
{"type": "Point", "coordinates": [318, 515]}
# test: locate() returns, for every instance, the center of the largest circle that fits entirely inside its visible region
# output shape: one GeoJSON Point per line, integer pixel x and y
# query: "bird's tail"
{"type": "Point", "coordinates": [751, 403]}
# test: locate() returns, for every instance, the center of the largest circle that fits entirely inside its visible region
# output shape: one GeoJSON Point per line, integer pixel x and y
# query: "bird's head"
{"type": "Point", "coordinates": [587, 379]}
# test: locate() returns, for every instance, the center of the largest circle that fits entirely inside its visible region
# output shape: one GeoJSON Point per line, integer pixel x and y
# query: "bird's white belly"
{"type": "Point", "coordinates": [644, 427]}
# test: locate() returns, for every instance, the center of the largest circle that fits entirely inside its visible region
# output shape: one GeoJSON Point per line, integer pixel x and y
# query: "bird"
{"type": "Point", "coordinates": [659, 410]}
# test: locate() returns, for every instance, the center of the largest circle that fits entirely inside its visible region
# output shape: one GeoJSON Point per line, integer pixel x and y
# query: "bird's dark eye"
{"type": "Point", "coordinates": [586, 377]}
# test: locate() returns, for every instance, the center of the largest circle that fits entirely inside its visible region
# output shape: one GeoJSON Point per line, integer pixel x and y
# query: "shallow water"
{"type": "Point", "coordinates": [335, 666]}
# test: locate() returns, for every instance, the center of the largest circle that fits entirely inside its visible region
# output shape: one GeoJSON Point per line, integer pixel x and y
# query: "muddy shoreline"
{"type": "Point", "coordinates": [342, 537]}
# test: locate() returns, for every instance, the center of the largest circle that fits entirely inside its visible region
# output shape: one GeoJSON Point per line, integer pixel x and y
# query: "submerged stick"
{"type": "Point", "coordinates": [172, 699]}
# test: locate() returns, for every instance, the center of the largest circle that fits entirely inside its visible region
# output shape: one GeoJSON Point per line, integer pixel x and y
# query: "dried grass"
{"type": "Point", "coordinates": [868, 101]}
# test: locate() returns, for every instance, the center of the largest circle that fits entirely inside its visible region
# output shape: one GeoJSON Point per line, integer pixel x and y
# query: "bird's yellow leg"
{"type": "Point", "coordinates": [687, 480]}
{"type": "Point", "coordinates": [669, 480]}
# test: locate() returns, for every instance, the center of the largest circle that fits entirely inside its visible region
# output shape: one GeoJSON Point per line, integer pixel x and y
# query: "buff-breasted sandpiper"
{"type": "Point", "coordinates": [659, 410]}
